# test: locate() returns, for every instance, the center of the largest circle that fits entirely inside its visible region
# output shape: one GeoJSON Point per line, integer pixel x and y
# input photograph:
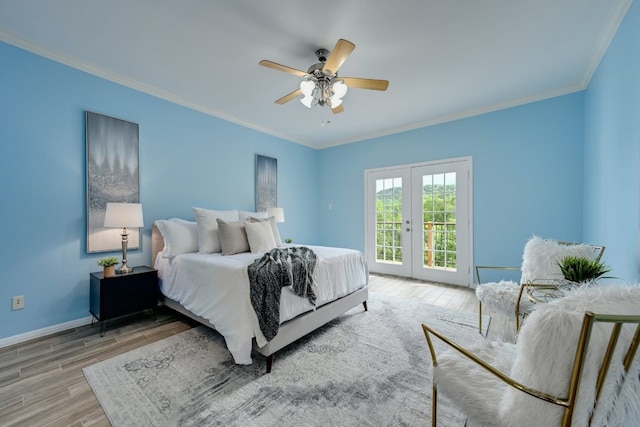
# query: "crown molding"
{"type": "Point", "coordinates": [462, 115]}
{"type": "Point", "coordinates": [130, 83]}
{"type": "Point", "coordinates": [609, 32]}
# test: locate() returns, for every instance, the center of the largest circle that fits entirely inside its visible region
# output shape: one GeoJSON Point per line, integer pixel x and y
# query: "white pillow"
{"type": "Point", "coordinates": [208, 237]}
{"type": "Point", "coordinates": [274, 228]}
{"type": "Point", "coordinates": [260, 236]}
{"type": "Point", "coordinates": [233, 237]}
{"type": "Point", "coordinates": [180, 236]}
{"type": "Point", "coordinates": [245, 215]}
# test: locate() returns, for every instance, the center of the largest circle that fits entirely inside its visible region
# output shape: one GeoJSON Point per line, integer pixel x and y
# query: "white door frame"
{"type": "Point", "coordinates": [467, 280]}
{"type": "Point", "coordinates": [403, 269]}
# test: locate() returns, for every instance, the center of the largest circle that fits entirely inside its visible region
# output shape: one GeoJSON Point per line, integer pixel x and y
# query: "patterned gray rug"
{"type": "Point", "coordinates": [364, 368]}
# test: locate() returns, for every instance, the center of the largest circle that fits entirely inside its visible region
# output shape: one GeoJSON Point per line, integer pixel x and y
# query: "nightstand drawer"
{"type": "Point", "coordinates": [123, 294]}
{"type": "Point", "coordinates": [116, 287]}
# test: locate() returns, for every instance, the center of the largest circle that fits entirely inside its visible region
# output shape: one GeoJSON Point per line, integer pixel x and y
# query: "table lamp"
{"type": "Point", "coordinates": [124, 215]}
{"type": "Point", "coordinates": [277, 213]}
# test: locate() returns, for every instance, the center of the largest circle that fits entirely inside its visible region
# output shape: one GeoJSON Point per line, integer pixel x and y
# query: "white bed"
{"type": "Point", "coordinates": [214, 290]}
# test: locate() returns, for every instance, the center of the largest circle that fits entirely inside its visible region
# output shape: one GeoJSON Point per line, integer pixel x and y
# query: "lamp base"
{"type": "Point", "coordinates": [125, 269]}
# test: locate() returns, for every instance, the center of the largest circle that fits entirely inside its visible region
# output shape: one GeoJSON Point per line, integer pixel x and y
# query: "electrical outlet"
{"type": "Point", "coordinates": [18, 302]}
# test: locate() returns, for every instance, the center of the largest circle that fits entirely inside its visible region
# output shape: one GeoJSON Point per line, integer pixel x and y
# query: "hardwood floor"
{"type": "Point", "coordinates": [42, 384]}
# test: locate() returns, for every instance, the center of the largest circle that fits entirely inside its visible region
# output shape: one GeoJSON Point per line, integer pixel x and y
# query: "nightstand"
{"type": "Point", "coordinates": [122, 294]}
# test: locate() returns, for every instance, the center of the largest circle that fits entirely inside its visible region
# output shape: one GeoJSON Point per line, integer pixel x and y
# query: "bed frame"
{"type": "Point", "coordinates": [290, 330]}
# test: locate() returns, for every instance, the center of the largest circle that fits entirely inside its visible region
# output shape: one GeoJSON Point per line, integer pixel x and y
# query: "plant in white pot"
{"type": "Point", "coordinates": [108, 265]}
{"type": "Point", "coordinates": [580, 270]}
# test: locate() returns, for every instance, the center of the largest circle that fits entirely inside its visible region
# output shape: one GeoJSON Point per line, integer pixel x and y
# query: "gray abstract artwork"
{"type": "Point", "coordinates": [266, 183]}
{"type": "Point", "coordinates": [112, 176]}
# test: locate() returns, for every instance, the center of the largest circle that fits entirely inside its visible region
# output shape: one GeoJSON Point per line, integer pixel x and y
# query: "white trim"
{"type": "Point", "coordinates": [98, 71]}
{"type": "Point", "coordinates": [419, 164]}
{"type": "Point", "coordinates": [457, 116]}
{"type": "Point", "coordinates": [602, 46]}
{"type": "Point", "coordinates": [176, 99]}
{"type": "Point", "coordinates": [368, 175]}
{"type": "Point", "coordinates": [38, 333]}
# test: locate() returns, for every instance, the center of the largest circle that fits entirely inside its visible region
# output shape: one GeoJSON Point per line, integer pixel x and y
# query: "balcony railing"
{"type": "Point", "coordinates": [439, 245]}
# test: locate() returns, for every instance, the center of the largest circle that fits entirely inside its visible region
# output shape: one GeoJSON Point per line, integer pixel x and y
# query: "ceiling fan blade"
{"type": "Point", "coordinates": [359, 83]}
{"type": "Point", "coordinates": [280, 67]}
{"type": "Point", "coordinates": [289, 97]}
{"type": "Point", "coordinates": [337, 57]}
{"type": "Point", "coordinates": [338, 109]}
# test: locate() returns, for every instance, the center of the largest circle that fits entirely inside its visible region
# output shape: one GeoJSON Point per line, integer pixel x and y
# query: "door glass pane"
{"type": "Point", "coordinates": [439, 221]}
{"type": "Point", "coordinates": [389, 220]}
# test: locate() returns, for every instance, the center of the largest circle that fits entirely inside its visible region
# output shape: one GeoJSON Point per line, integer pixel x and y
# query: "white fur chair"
{"type": "Point", "coordinates": [539, 266]}
{"type": "Point", "coordinates": [561, 371]}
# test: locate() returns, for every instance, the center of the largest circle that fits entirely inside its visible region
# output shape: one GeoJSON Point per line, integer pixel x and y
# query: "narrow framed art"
{"type": "Point", "coordinates": [266, 182]}
{"type": "Point", "coordinates": [112, 158]}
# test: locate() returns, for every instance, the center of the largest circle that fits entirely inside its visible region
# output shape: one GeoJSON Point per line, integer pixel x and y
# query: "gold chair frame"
{"type": "Point", "coordinates": [569, 401]}
{"type": "Point", "coordinates": [520, 316]}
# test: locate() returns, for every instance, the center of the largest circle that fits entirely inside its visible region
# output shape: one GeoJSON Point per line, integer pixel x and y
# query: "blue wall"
{"type": "Point", "coordinates": [527, 175]}
{"type": "Point", "coordinates": [565, 168]}
{"type": "Point", "coordinates": [186, 159]}
{"type": "Point", "coordinates": [612, 150]}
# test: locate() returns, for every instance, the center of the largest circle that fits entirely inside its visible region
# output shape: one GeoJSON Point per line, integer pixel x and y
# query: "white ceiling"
{"type": "Point", "coordinates": [445, 59]}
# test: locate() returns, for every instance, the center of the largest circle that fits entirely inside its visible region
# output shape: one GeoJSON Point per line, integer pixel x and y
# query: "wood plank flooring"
{"type": "Point", "coordinates": [42, 384]}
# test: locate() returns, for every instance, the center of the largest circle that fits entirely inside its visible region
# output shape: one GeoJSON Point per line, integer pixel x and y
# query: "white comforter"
{"type": "Point", "coordinates": [216, 287]}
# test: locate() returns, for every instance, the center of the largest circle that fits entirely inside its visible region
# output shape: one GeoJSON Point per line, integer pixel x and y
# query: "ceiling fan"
{"type": "Point", "coordinates": [321, 84]}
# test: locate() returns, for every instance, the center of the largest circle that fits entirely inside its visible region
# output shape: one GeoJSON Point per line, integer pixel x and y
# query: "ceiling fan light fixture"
{"type": "Point", "coordinates": [307, 86]}
{"type": "Point", "coordinates": [320, 84]}
{"type": "Point", "coordinates": [339, 89]}
{"type": "Point", "coordinates": [307, 101]}
{"type": "Point", "coordinates": [335, 102]}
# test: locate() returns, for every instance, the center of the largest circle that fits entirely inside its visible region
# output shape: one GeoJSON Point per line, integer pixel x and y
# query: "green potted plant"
{"type": "Point", "coordinates": [109, 263]}
{"type": "Point", "coordinates": [577, 269]}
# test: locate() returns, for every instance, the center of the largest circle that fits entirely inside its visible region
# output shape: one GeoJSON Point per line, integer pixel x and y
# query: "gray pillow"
{"type": "Point", "coordinates": [233, 237]}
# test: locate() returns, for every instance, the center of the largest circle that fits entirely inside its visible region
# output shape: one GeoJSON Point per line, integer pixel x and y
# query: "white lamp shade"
{"type": "Point", "coordinates": [306, 87]}
{"type": "Point", "coordinates": [122, 215]}
{"type": "Point", "coordinates": [277, 213]}
{"type": "Point", "coordinates": [335, 102]}
{"type": "Point", "coordinates": [339, 89]}
{"type": "Point", "coordinates": [306, 101]}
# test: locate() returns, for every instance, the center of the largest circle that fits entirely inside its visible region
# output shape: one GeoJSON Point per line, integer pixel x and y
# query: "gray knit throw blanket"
{"type": "Point", "coordinates": [292, 267]}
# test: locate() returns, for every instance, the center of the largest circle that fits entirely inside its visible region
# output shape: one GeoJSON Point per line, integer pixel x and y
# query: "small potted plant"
{"type": "Point", "coordinates": [109, 264]}
{"type": "Point", "coordinates": [580, 270]}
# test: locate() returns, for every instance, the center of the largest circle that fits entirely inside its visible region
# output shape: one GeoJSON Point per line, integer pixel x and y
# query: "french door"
{"type": "Point", "coordinates": [418, 221]}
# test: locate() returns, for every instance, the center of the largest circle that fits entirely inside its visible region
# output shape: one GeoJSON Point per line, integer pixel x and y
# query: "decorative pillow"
{"type": "Point", "coordinates": [233, 237]}
{"type": "Point", "coordinates": [245, 215]}
{"type": "Point", "coordinates": [208, 237]}
{"type": "Point", "coordinates": [260, 236]}
{"type": "Point", "coordinates": [274, 228]}
{"type": "Point", "coordinates": [540, 257]}
{"type": "Point", "coordinates": [180, 236]}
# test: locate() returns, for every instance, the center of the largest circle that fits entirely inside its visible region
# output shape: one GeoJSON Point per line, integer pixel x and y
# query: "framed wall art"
{"type": "Point", "coordinates": [112, 176]}
{"type": "Point", "coordinates": [266, 183]}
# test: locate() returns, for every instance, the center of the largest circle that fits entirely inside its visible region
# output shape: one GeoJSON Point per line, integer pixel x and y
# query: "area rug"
{"type": "Point", "coordinates": [364, 368]}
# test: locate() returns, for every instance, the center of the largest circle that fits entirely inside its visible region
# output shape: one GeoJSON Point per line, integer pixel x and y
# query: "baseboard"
{"type": "Point", "coordinates": [38, 333]}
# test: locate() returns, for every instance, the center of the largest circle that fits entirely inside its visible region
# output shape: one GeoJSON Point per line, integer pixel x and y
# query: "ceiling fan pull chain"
{"type": "Point", "coordinates": [323, 121]}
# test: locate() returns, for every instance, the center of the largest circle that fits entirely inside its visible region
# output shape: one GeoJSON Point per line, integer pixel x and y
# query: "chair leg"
{"type": "Point", "coordinates": [480, 317]}
{"type": "Point", "coordinates": [434, 406]}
